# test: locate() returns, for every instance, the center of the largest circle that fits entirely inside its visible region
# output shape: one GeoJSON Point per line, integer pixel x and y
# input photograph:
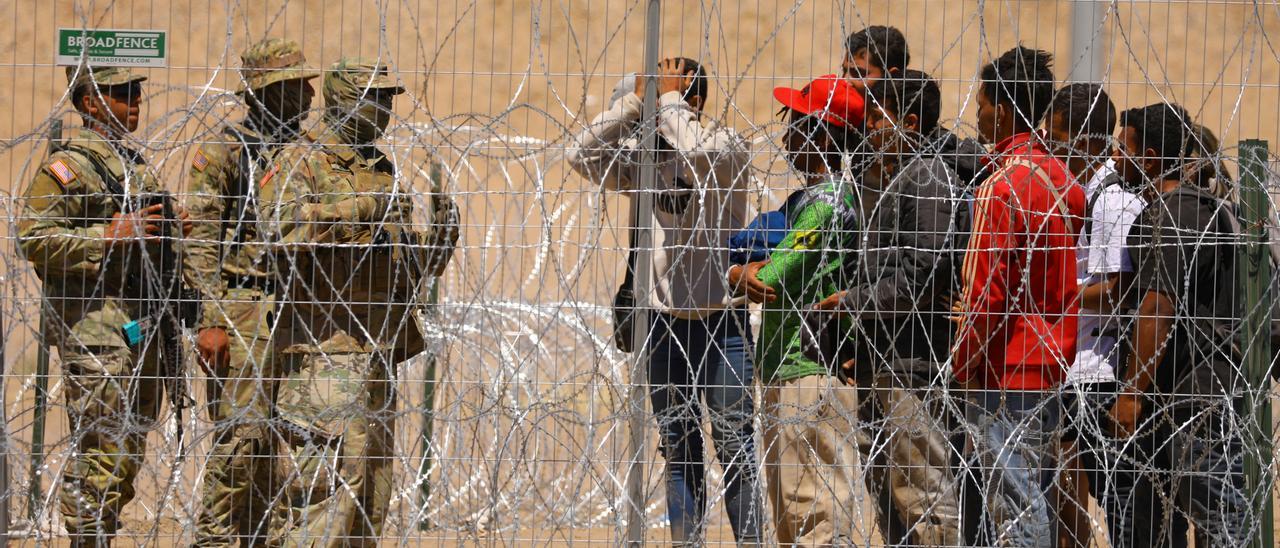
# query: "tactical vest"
{"type": "Point", "coordinates": [120, 264]}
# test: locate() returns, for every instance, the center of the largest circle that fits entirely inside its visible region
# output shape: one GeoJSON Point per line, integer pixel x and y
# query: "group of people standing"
{"type": "Point", "coordinates": [301, 248]}
{"type": "Point", "coordinates": [984, 332]}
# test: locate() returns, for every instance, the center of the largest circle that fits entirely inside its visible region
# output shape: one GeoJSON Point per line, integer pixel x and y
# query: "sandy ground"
{"type": "Point", "coordinates": [531, 416]}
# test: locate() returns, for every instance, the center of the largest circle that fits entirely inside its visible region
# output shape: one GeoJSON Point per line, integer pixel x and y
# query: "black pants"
{"type": "Point", "coordinates": [1186, 468]}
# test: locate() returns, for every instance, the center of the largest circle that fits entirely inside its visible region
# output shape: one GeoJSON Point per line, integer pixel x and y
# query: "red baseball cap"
{"type": "Point", "coordinates": [829, 96]}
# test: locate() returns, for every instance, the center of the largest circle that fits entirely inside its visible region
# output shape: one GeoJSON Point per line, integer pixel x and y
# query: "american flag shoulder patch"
{"type": "Point", "coordinates": [62, 171]}
{"type": "Point", "coordinates": [200, 161]}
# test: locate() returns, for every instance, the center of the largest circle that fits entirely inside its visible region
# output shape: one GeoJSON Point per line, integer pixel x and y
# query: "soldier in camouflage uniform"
{"type": "Point", "coordinates": [90, 254]}
{"type": "Point", "coordinates": [236, 283]}
{"type": "Point", "coordinates": [338, 212]}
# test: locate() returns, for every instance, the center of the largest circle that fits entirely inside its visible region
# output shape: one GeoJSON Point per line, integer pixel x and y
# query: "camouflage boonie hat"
{"type": "Point", "coordinates": [270, 61]}
{"type": "Point", "coordinates": [351, 77]}
{"type": "Point", "coordinates": [84, 75]}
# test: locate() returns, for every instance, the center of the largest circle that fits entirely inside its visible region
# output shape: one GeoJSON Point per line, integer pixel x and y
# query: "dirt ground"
{"type": "Point", "coordinates": [531, 411]}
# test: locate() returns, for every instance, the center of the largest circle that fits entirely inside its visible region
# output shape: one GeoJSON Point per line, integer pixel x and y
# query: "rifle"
{"type": "Point", "coordinates": [168, 305]}
{"type": "Point", "coordinates": [239, 206]}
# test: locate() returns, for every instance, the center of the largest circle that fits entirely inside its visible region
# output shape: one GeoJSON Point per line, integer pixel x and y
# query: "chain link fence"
{"type": "Point", "coordinates": [517, 421]}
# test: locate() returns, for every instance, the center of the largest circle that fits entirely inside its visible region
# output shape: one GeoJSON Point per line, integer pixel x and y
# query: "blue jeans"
{"type": "Point", "coordinates": [690, 360]}
{"type": "Point", "coordinates": [1187, 468]}
{"type": "Point", "coordinates": [1011, 458]}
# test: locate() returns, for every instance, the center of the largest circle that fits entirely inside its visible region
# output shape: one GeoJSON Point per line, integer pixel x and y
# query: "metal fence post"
{"type": "Point", "coordinates": [429, 381]}
{"type": "Point", "coordinates": [637, 420]}
{"type": "Point", "coordinates": [1254, 259]}
{"type": "Point", "coordinates": [35, 489]}
{"type": "Point", "coordinates": [428, 414]}
{"type": "Point", "coordinates": [6, 492]}
{"type": "Point", "coordinates": [1088, 40]}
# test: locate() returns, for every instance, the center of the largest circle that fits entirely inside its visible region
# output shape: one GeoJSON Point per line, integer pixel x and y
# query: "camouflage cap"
{"type": "Point", "coordinates": [84, 75]}
{"type": "Point", "coordinates": [272, 60]}
{"type": "Point", "coordinates": [350, 78]}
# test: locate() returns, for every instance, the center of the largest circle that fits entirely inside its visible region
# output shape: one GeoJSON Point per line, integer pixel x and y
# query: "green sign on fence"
{"type": "Point", "coordinates": [113, 47]}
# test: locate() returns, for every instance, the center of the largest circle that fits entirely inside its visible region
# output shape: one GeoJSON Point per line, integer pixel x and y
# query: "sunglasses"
{"type": "Point", "coordinates": [123, 91]}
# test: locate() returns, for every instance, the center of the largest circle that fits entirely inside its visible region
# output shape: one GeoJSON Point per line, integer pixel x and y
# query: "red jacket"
{"type": "Point", "coordinates": [1019, 330]}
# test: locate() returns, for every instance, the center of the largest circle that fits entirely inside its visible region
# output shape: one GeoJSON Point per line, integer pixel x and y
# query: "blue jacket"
{"type": "Point", "coordinates": [754, 242]}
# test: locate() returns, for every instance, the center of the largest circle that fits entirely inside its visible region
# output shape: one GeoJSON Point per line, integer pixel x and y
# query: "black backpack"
{"type": "Point", "coordinates": [967, 159]}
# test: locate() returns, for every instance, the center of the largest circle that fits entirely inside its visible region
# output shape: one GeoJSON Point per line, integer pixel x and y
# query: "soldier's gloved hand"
{"type": "Point", "coordinates": [369, 208]}
{"type": "Point", "coordinates": [443, 240]}
{"type": "Point", "coordinates": [400, 208]}
{"type": "Point", "coordinates": [144, 224]}
{"type": "Point", "coordinates": [446, 219]}
{"type": "Point", "coordinates": [384, 207]}
{"type": "Point", "coordinates": [360, 208]}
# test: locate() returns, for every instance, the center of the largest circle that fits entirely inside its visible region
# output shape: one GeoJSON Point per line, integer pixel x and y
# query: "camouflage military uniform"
{"type": "Point", "coordinates": [334, 212]}
{"type": "Point", "coordinates": [112, 390]}
{"type": "Point", "coordinates": [235, 280]}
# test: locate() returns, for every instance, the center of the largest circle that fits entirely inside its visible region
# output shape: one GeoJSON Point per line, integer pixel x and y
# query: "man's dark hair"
{"type": "Point", "coordinates": [844, 139]}
{"type": "Point", "coordinates": [699, 85]}
{"type": "Point", "coordinates": [1022, 78]}
{"type": "Point", "coordinates": [1162, 127]}
{"type": "Point", "coordinates": [78, 95]}
{"type": "Point", "coordinates": [886, 47]}
{"type": "Point", "coordinates": [912, 92]}
{"type": "Point", "coordinates": [1204, 160]}
{"type": "Point", "coordinates": [1086, 109]}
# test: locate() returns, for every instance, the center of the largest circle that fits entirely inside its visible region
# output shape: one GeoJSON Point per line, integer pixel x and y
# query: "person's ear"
{"type": "Point", "coordinates": [696, 102]}
{"type": "Point", "coordinates": [88, 104]}
{"type": "Point", "coordinates": [96, 107]}
{"type": "Point", "coordinates": [911, 122]}
{"type": "Point", "coordinates": [1151, 161]}
{"type": "Point", "coordinates": [893, 71]}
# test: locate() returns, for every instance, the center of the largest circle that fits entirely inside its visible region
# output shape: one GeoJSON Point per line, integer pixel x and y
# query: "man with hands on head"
{"type": "Point", "coordinates": [698, 345]}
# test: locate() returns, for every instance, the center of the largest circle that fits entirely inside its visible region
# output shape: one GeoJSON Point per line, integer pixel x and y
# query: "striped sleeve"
{"type": "Point", "coordinates": [985, 274]}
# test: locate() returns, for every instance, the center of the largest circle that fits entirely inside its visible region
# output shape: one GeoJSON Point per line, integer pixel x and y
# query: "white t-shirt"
{"type": "Point", "coordinates": [1102, 252]}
